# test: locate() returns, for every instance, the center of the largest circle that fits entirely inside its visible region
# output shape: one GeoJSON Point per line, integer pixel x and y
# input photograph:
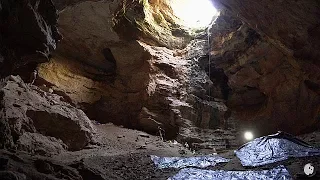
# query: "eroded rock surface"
{"type": "Point", "coordinates": [286, 81]}
{"type": "Point", "coordinates": [155, 89]}
{"type": "Point", "coordinates": [117, 98]}
{"type": "Point", "coordinates": [28, 34]}
{"type": "Point", "coordinates": [27, 110]}
{"type": "Point", "coordinates": [293, 26]}
{"type": "Point", "coordinates": [92, 30]}
{"type": "Point", "coordinates": [270, 90]}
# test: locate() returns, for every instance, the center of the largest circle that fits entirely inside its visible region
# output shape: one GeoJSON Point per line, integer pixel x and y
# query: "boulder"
{"type": "Point", "coordinates": [39, 144]}
{"type": "Point", "coordinates": [28, 110]}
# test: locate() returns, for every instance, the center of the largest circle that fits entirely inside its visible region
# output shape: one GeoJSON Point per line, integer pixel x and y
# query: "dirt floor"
{"type": "Point", "coordinates": [125, 154]}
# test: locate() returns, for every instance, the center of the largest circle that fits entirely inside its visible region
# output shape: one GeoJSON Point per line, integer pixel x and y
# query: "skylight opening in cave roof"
{"type": "Point", "coordinates": [195, 13]}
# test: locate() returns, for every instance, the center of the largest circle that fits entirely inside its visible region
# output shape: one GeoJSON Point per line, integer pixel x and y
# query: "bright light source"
{"type": "Point", "coordinates": [248, 136]}
{"type": "Point", "coordinates": [194, 13]}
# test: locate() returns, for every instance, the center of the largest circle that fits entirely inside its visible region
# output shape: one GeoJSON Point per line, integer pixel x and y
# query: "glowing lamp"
{"type": "Point", "coordinates": [248, 136]}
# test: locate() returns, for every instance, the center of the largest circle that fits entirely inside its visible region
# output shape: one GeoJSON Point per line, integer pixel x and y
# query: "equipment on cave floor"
{"type": "Point", "coordinates": [182, 162]}
{"type": "Point", "coordinates": [186, 145]}
{"type": "Point", "coordinates": [274, 148]}
{"type": "Point", "coordinates": [279, 172]}
{"type": "Point", "coordinates": [248, 136]}
{"type": "Point", "coordinates": [261, 151]}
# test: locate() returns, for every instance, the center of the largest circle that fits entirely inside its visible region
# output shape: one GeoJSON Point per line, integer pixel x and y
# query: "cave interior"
{"type": "Point", "coordinates": [90, 89]}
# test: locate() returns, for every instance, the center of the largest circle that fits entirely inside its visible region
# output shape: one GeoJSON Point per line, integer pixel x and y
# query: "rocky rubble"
{"type": "Point", "coordinates": [40, 122]}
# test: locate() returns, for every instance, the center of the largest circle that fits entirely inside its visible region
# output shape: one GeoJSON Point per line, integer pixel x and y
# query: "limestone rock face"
{"type": "Point", "coordinates": [153, 22]}
{"type": "Point", "coordinates": [87, 31]}
{"type": "Point", "coordinates": [92, 30]}
{"type": "Point", "coordinates": [270, 89]}
{"type": "Point", "coordinates": [293, 26]}
{"type": "Point", "coordinates": [101, 68]}
{"type": "Point", "coordinates": [28, 110]}
{"type": "Point", "coordinates": [28, 34]}
{"type": "Point", "coordinates": [110, 65]}
{"type": "Point", "coordinates": [156, 88]}
{"type": "Point", "coordinates": [116, 98]}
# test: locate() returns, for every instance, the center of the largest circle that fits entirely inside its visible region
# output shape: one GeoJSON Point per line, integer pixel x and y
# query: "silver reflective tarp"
{"type": "Point", "coordinates": [278, 173]}
{"type": "Point", "coordinates": [182, 162]}
{"type": "Point", "coordinates": [274, 148]}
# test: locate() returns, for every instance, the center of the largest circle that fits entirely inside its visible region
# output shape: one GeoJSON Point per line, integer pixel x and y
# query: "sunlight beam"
{"type": "Point", "coordinates": [194, 13]}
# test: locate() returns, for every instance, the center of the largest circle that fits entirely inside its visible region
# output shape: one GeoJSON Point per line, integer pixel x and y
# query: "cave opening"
{"type": "Point", "coordinates": [195, 13]}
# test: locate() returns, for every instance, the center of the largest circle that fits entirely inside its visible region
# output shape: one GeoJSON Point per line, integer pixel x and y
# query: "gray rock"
{"type": "Point", "coordinates": [40, 144]}
{"type": "Point", "coordinates": [29, 110]}
{"type": "Point", "coordinates": [10, 175]}
{"type": "Point", "coordinates": [28, 33]}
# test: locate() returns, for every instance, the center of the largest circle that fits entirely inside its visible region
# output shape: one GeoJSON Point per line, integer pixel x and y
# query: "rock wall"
{"type": "Point", "coordinates": [106, 98]}
{"type": "Point", "coordinates": [28, 34]}
{"type": "Point", "coordinates": [155, 88]}
{"type": "Point", "coordinates": [293, 26]}
{"type": "Point", "coordinates": [103, 70]}
{"type": "Point", "coordinates": [130, 63]}
{"type": "Point", "coordinates": [92, 29]}
{"type": "Point", "coordinates": [271, 90]}
{"type": "Point", "coordinates": [39, 122]}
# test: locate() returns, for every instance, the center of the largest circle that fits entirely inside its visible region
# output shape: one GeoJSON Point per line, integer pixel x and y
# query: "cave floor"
{"type": "Point", "coordinates": [122, 153]}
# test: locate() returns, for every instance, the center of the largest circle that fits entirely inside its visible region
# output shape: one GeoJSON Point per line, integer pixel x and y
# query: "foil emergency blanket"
{"type": "Point", "coordinates": [278, 173]}
{"type": "Point", "coordinates": [182, 162]}
{"type": "Point", "coordinates": [273, 148]}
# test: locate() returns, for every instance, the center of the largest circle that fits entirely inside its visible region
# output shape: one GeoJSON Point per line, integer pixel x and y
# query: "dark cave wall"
{"type": "Point", "coordinates": [272, 88]}
{"type": "Point", "coordinates": [28, 34]}
{"type": "Point", "coordinates": [293, 26]}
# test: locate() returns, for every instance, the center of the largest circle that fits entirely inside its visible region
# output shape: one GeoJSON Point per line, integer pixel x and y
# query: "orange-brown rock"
{"type": "Point", "coordinates": [270, 89]}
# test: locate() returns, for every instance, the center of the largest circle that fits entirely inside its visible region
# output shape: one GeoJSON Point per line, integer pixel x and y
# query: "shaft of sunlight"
{"type": "Point", "coordinates": [194, 13]}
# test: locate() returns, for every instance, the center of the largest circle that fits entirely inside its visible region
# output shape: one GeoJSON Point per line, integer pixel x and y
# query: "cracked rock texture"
{"type": "Point", "coordinates": [293, 26]}
{"type": "Point", "coordinates": [28, 34]}
{"type": "Point", "coordinates": [36, 120]}
{"type": "Point", "coordinates": [128, 82]}
{"type": "Point", "coordinates": [131, 83]}
{"type": "Point", "coordinates": [93, 30]}
{"type": "Point", "coordinates": [271, 89]}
